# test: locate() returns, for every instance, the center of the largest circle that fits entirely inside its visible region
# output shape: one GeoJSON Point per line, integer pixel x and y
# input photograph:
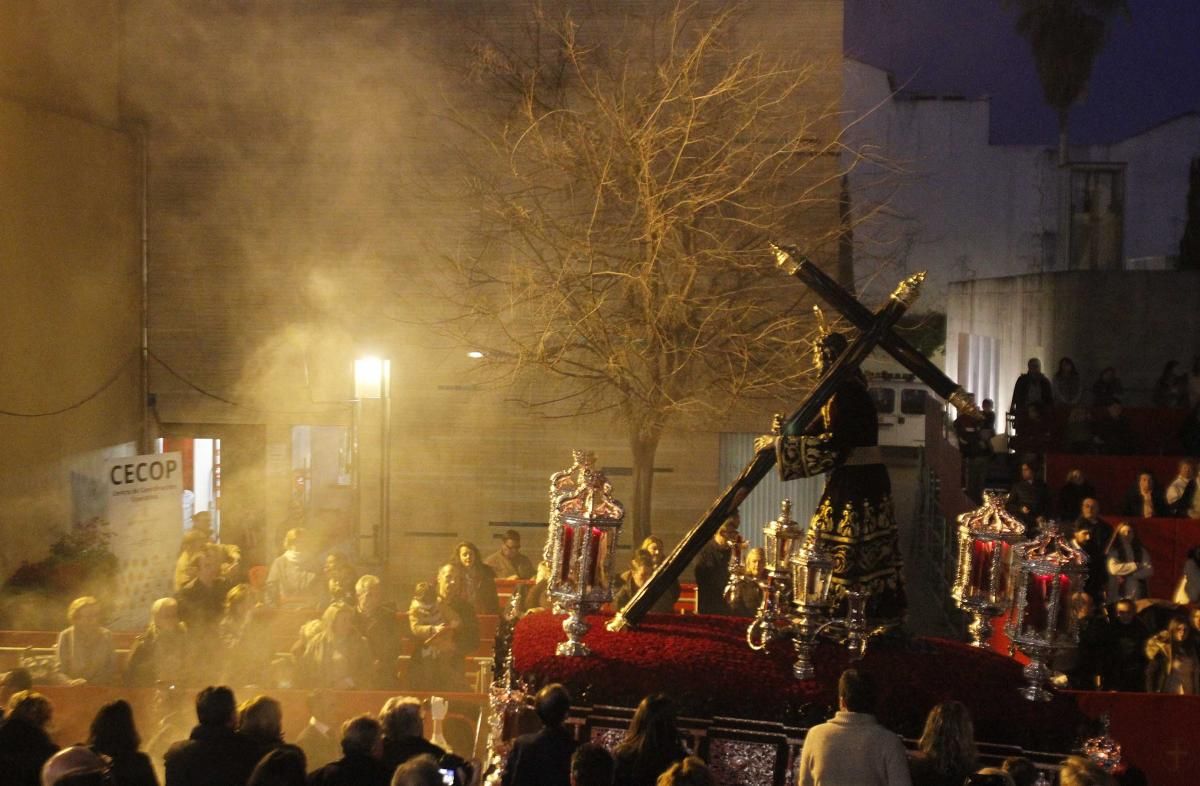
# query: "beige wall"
{"type": "Point", "coordinates": [69, 314]}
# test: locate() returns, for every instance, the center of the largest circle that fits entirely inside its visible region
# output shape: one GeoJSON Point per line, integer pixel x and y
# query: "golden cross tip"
{"type": "Point", "coordinates": [783, 259]}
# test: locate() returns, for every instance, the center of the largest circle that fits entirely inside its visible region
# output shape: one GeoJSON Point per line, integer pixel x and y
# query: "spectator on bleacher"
{"type": "Point", "coordinates": [245, 634]}
{"type": "Point", "coordinates": [317, 739]}
{"type": "Point", "coordinates": [1091, 536]}
{"type": "Point", "coordinates": [1173, 661]}
{"type": "Point", "coordinates": [692, 771]}
{"type": "Point", "coordinates": [291, 580]}
{"type": "Point", "coordinates": [336, 657]}
{"type": "Point", "coordinates": [1180, 495]}
{"type": "Point", "coordinates": [160, 653]}
{"type": "Point", "coordinates": [114, 734]}
{"type": "Point", "coordinates": [1021, 770]}
{"type": "Point", "coordinates": [24, 743]}
{"type": "Point", "coordinates": [1145, 499]}
{"type": "Point", "coordinates": [1125, 666]}
{"type": "Point", "coordinates": [478, 580]}
{"type": "Point", "coordinates": [285, 766]}
{"type": "Point", "coordinates": [202, 600]}
{"type": "Point", "coordinates": [946, 752]}
{"type": "Point", "coordinates": [543, 758]}
{"type": "Point", "coordinates": [1111, 433]}
{"type": "Point", "coordinates": [84, 650]}
{"type": "Point", "coordinates": [1085, 664]}
{"type": "Point", "coordinates": [1074, 491]}
{"type": "Point", "coordinates": [213, 753]}
{"type": "Point", "coordinates": [712, 567]}
{"type": "Point", "coordinates": [1029, 499]}
{"type": "Point", "coordinates": [747, 594]}
{"type": "Point", "coordinates": [340, 576]}
{"type": "Point", "coordinates": [1107, 388]}
{"type": "Point", "coordinates": [360, 765]}
{"type": "Point", "coordinates": [641, 566]}
{"type": "Point", "coordinates": [651, 744]}
{"type": "Point", "coordinates": [437, 659]}
{"type": "Point", "coordinates": [508, 562]}
{"type": "Point", "coordinates": [653, 545]}
{"type": "Point", "coordinates": [1188, 590]}
{"type": "Point", "coordinates": [591, 765]}
{"type": "Point", "coordinates": [13, 681]}
{"type": "Point", "coordinates": [538, 598]}
{"type": "Point", "coordinates": [1032, 388]}
{"type": "Point", "coordinates": [194, 542]}
{"type": "Point", "coordinates": [378, 624]}
{"type": "Point", "coordinates": [1171, 389]}
{"type": "Point", "coordinates": [1129, 565]}
{"type": "Point", "coordinates": [260, 720]}
{"type": "Point", "coordinates": [1067, 384]}
{"type": "Point", "coordinates": [404, 735]}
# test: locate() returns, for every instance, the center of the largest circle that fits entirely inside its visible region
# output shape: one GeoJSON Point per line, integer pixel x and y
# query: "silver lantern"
{"type": "Point", "coordinates": [982, 583]}
{"type": "Point", "coordinates": [773, 620]}
{"type": "Point", "coordinates": [812, 574]}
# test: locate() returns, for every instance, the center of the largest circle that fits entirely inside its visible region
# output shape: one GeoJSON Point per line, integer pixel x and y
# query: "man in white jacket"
{"type": "Point", "coordinates": [852, 749]}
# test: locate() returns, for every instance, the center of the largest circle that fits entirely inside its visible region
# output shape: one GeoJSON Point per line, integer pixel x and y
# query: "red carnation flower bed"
{"type": "Point", "coordinates": [704, 663]}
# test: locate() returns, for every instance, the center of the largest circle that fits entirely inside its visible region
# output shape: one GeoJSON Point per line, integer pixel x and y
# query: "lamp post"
{"type": "Point", "coordinates": [373, 383]}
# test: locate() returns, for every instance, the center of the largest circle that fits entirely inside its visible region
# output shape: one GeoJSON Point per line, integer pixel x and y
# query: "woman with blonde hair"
{"type": "Point", "coordinates": [85, 649]}
{"type": "Point", "coordinates": [946, 752]}
{"type": "Point", "coordinates": [260, 720]}
{"type": "Point", "coordinates": [692, 771]}
{"type": "Point", "coordinates": [159, 654]}
{"type": "Point", "coordinates": [337, 657]}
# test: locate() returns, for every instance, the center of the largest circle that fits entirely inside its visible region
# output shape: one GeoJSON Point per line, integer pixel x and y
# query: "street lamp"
{"type": "Point", "coordinates": [373, 382]}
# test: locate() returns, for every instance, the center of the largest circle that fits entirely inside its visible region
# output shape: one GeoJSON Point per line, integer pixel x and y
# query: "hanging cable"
{"type": "Point", "coordinates": [231, 402]}
{"type": "Point", "coordinates": [108, 383]}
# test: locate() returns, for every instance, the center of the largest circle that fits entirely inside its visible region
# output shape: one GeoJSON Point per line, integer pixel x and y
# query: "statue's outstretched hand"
{"type": "Point", "coordinates": [764, 442]}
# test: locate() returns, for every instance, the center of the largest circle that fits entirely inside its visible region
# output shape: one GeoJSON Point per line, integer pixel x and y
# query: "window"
{"type": "Point", "coordinates": [885, 400]}
{"type": "Point", "coordinates": [912, 401]}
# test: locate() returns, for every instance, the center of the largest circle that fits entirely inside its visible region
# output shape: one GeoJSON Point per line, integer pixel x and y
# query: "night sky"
{"type": "Point", "coordinates": [1148, 72]}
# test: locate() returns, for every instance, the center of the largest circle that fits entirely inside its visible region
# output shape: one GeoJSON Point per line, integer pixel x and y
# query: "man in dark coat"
{"type": "Point", "coordinates": [544, 758]}
{"type": "Point", "coordinates": [360, 765]}
{"type": "Point", "coordinates": [1092, 535]}
{"type": "Point", "coordinates": [1032, 388]}
{"type": "Point", "coordinates": [712, 568]}
{"type": "Point", "coordinates": [318, 739]}
{"type": "Point", "coordinates": [404, 736]}
{"type": "Point", "coordinates": [1125, 666]}
{"type": "Point", "coordinates": [214, 754]}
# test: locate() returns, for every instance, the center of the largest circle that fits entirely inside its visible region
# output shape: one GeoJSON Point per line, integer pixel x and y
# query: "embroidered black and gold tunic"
{"type": "Point", "coordinates": [855, 521]}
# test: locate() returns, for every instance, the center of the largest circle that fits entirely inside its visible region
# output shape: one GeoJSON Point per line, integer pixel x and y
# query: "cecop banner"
{"type": "Point", "coordinates": [145, 517]}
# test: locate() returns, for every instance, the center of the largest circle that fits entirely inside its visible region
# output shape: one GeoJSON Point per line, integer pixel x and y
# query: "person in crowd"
{"type": "Point", "coordinates": [25, 744]}
{"type": "Point", "coordinates": [213, 753]}
{"type": "Point", "coordinates": [404, 735]}
{"type": "Point", "coordinates": [1171, 388]}
{"type": "Point", "coordinates": [1107, 388]}
{"type": "Point", "coordinates": [291, 581]}
{"type": "Point", "coordinates": [1082, 771]}
{"type": "Point", "coordinates": [641, 567]}
{"type": "Point", "coordinates": [1173, 660]}
{"type": "Point", "coordinates": [653, 545]}
{"type": "Point", "coordinates": [377, 623]}
{"type": "Point", "coordinates": [1180, 496]}
{"type": "Point", "coordinates": [987, 419]}
{"type": "Point", "coordinates": [1111, 433]}
{"type": "Point", "coordinates": [478, 581]}
{"type": "Point", "coordinates": [852, 748]}
{"type": "Point", "coordinates": [1067, 385]}
{"type": "Point", "coordinates": [245, 635]}
{"type": "Point", "coordinates": [538, 598]}
{"type": "Point", "coordinates": [194, 542]}
{"type": "Point", "coordinates": [13, 681]}
{"type": "Point", "coordinates": [84, 651]}
{"type": "Point", "coordinates": [360, 765]}
{"type": "Point", "coordinates": [418, 771]}
{"type": "Point", "coordinates": [544, 757]}
{"type": "Point", "coordinates": [283, 766]}
{"type": "Point", "coordinates": [336, 657]}
{"type": "Point", "coordinates": [651, 745]}
{"type": "Point", "coordinates": [1125, 666]}
{"type": "Point", "coordinates": [1074, 491]}
{"type": "Point", "coordinates": [1032, 388]}
{"type": "Point", "coordinates": [1021, 770]}
{"type": "Point", "coordinates": [692, 771]}
{"type": "Point", "coordinates": [160, 653]}
{"type": "Point", "coordinates": [317, 739]}
{"type": "Point", "coordinates": [712, 567]}
{"type": "Point", "coordinates": [1029, 499]}
{"type": "Point", "coordinates": [76, 766]}
{"type": "Point", "coordinates": [436, 662]}
{"type": "Point", "coordinates": [202, 600]}
{"type": "Point", "coordinates": [1091, 534]}
{"type": "Point", "coordinates": [591, 765]}
{"type": "Point", "coordinates": [1188, 591]}
{"type": "Point", "coordinates": [509, 562]}
{"type": "Point", "coordinates": [1145, 499]}
{"type": "Point", "coordinates": [976, 452]}
{"type": "Point", "coordinates": [747, 594]}
{"type": "Point", "coordinates": [260, 720]}
{"type": "Point", "coordinates": [114, 734]}
{"type": "Point", "coordinates": [1129, 565]}
{"type": "Point", "coordinates": [452, 594]}
{"type": "Point", "coordinates": [946, 752]}
{"type": "Point", "coordinates": [1085, 663]}
{"type": "Point", "coordinates": [340, 578]}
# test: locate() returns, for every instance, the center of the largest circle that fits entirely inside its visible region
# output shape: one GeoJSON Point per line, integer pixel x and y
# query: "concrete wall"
{"type": "Point", "coordinates": [1134, 321]}
{"type": "Point", "coordinates": [69, 262]}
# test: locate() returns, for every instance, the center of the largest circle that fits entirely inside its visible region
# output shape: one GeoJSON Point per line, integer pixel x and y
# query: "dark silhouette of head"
{"type": "Point", "coordinates": [856, 691]}
{"type": "Point", "coordinates": [552, 704]}
{"type": "Point", "coordinates": [216, 706]}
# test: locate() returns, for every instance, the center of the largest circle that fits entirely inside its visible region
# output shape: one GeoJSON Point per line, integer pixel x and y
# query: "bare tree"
{"type": "Point", "coordinates": [626, 196]}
